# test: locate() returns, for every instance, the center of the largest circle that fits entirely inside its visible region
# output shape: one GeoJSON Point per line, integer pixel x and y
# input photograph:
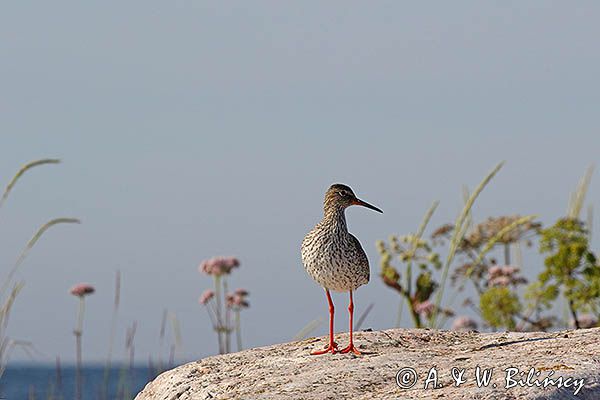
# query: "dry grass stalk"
{"type": "Point", "coordinates": [20, 173]}
{"type": "Point", "coordinates": [460, 228]}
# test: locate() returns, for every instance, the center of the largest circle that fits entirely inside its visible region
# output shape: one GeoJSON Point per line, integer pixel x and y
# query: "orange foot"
{"type": "Point", "coordinates": [332, 348]}
{"type": "Point", "coordinates": [349, 349]}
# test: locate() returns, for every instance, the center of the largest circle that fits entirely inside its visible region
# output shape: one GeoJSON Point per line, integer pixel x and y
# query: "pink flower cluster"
{"type": "Point", "coordinates": [218, 266]}
{"type": "Point", "coordinates": [82, 289]}
{"type": "Point", "coordinates": [586, 321]}
{"type": "Point", "coordinates": [504, 276]}
{"type": "Point", "coordinates": [425, 308]}
{"type": "Point", "coordinates": [206, 296]}
{"type": "Point", "coordinates": [238, 299]}
{"type": "Point", "coordinates": [464, 323]}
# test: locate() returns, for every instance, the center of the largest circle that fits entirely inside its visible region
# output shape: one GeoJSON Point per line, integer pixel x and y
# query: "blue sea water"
{"type": "Point", "coordinates": [43, 382]}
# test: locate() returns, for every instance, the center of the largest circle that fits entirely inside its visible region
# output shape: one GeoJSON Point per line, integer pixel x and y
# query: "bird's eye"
{"type": "Point", "coordinates": [342, 194]}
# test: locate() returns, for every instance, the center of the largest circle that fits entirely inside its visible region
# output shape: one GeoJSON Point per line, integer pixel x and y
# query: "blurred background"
{"type": "Point", "coordinates": [194, 129]}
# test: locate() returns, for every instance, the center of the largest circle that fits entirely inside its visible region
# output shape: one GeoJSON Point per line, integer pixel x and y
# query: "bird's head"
{"type": "Point", "coordinates": [340, 196]}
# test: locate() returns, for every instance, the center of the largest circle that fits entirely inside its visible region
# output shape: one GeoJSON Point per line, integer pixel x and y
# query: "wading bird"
{"type": "Point", "coordinates": [334, 258]}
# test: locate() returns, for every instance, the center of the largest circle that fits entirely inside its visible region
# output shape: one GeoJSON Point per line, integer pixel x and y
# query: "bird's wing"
{"type": "Point", "coordinates": [361, 256]}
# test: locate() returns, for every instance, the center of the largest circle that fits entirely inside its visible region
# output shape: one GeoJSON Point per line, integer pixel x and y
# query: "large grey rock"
{"type": "Point", "coordinates": [287, 371]}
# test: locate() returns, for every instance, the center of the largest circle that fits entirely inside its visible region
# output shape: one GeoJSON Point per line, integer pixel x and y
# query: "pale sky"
{"type": "Point", "coordinates": [192, 129]}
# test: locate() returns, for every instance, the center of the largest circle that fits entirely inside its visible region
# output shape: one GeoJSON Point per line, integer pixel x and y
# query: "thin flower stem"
{"type": "Point", "coordinates": [227, 332]}
{"type": "Point", "coordinates": [218, 297]}
{"type": "Point", "coordinates": [574, 314]}
{"type": "Point", "coordinates": [238, 329]}
{"type": "Point", "coordinates": [399, 313]}
{"type": "Point", "coordinates": [213, 320]}
{"type": "Point", "coordinates": [506, 254]}
{"type": "Point", "coordinates": [211, 314]}
{"type": "Point", "coordinates": [78, 333]}
{"type": "Point", "coordinates": [59, 387]}
{"type": "Point", "coordinates": [227, 324]}
{"type": "Point", "coordinates": [215, 326]}
{"type": "Point", "coordinates": [218, 312]}
{"type": "Point", "coordinates": [113, 328]}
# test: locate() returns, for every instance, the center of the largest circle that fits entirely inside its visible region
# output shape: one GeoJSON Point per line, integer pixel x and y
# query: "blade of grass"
{"type": "Point", "coordinates": [415, 243]}
{"type": "Point", "coordinates": [458, 235]}
{"type": "Point", "coordinates": [498, 236]}
{"type": "Point", "coordinates": [5, 342]}
{"type": "Point", "coordinates": [32, 243]}
{"type": "Point", "coordinates": [111, 339]}
{"type": "Point", "coordinates": [590, 221]}
{"type": "Point", "coordinates": [490, 244]}
{"type": "Point", "coordinates": [363, 316]}
{"type": "Point", "coordinates": [578, 198]}
{"type": "Point", "coordinates": [161, 339]}
{"type": "Point", "coordinates": [20, 173]}
{"type": "Point", "coordinates": [469, 217]}
{"type": "Point", "coordinates": [8, 347]}
{"type": "Point", "coordinates": [399, 312]}
{"type": "Point", "coordinates": [424, 222]}
{"type": "Point", "coordinates": [176, 346]}
{"type": "Point", "coordinates": [307, 329]}
{"type": "Point", "coordinates": [518, 254]}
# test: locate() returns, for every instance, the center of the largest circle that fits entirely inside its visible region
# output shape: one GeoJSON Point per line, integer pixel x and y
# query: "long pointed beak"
{"type": "Point", "coordinates": [359, 202]}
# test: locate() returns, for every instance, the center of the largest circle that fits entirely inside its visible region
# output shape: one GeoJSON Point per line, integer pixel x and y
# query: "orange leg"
{"type": "Point", "coordinates": [351, 347]}
{"type": "Point", "coordinates": [332, 345]}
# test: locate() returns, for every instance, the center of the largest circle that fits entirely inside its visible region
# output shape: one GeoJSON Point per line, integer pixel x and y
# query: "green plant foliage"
{"type": "Point", "coordinates": [411, 250]}
{"type": "Point", "coordinates": [499, 307]}
{"type": "Point", "coordinates": [542, 295]}
{"type": "Point", "coordinates": [460, 228]}
{"type": "Point", "coordinates": [425, 286]}
{"type": "Point", "coordinates": [389, 274]}
{"type": "Point", "coordinates": [571, 266]}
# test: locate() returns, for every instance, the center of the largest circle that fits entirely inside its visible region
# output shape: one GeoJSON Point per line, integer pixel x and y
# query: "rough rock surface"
{"type": "Point", "coordinates": [287, 371]}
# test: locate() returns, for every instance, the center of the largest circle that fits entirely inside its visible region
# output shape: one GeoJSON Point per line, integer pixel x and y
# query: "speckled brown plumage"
{"type": "Point", "coordinates": [331, 255]}
{"type": "Point", "coordinates": [334, 258]}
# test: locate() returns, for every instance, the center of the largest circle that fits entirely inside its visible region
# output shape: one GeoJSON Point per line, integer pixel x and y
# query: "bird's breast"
{"type": "Point", "coordinates": [322, 249]}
